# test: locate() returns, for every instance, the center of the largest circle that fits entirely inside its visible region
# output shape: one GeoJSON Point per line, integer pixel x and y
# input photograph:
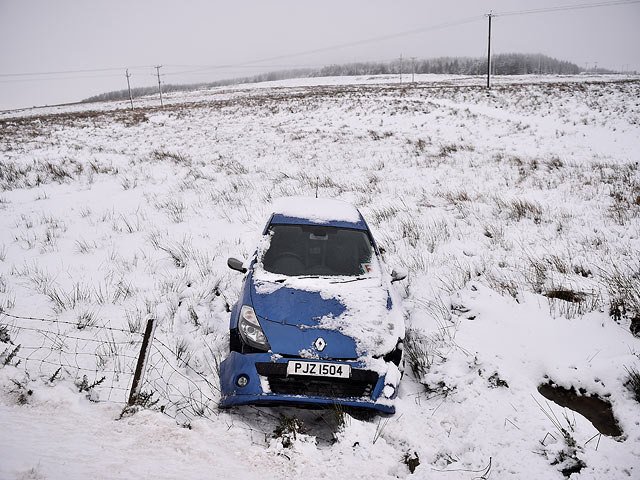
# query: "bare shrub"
{"type": "Point", "coordinates": [447, 149]}
{"type": "Point", "coordinates": [39, 278]}
{"type": "Point", "coordinates": [288, 430]}
{"type": "Point", "coordinates": [455, 197]}
{"type": "Point", "coordinates": [164, 155]}
{"type": "Point", "coordinates": [536, 274]}
{"type": "Point", "coordinates": [519, 209]}
{"type": "Point", "coordinates": [84, 385]}
{"type": "Point", "coordinates": [14, 175]}
{"type": "Point", "coordinates": [180, 252]}
{"type": "Point", "coordinates": [566, 459]}
{"type": "Point", "coordinates": [554, 163]}
{"type": "Point", "coordinates": [435, 232]}
{"type": "Point", "coordinates": [625, 203]}
{"type": "Point", "coordinates": [203, 262]}
{"type": "Point", "coordinates": [26, 239]}
{"type": "Point", "coordinates": [129, 224]}
{"type": "Point", "coordinates": [85, 246]}
{"type": "Point", "coordinates": [96, 167]}
{"type": "Point", "coordinates": [419, 351]}
{"type": "Point", "coordinates": [68, 300]}
{"type": "Point", "coordinates": [113, 292]}
{"type": "Point", "coordinates": [86, 318]}
{"type": "Point", "coordinates": [21, 390]}
{"type": "Point", "coordinates": [128, 182]}
{"type": "Point", "coordinates": [411, 230]}
{"type": "Point", "coordinates": [379, 135]}
{"type": "Point", "coordinates": [137, 317]}
{"type": "Point", "coordinates": [414, 262]}
{"type": "Point", "coordinates": [383, 214]}
{"type": "Point", "coordinates": [7, 302]}
{"type": "Point", "coordinates": [623, 287]}
{"type": "Point", "coordinates": [633, 382]}
{"type": "Point", "coordinates": [494, 231]}
{"type": "Point", "coordinates": [503, 284]}
{"type": "Point", "coordinates": [174, 207]}
{"type": "Point", "coordinates": [182, 352]}
{"type": "Point", "coordinates": [232, 167]}
{"type": "Point", "coordinates": [57, 172]}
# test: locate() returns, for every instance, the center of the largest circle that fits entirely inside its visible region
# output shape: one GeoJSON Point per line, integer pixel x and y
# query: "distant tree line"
{"type": "Point", "coordinates": [502, 64]}
{"type": "Point", "coordinates": [167, 87]}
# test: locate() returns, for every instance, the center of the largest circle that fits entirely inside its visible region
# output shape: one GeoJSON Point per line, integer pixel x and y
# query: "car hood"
{"type": "Point", "coordinates": [354, 317]}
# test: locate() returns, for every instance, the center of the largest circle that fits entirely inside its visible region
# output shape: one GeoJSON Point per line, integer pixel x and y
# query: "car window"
{"type": "Point", "coordinates": [297, 250]}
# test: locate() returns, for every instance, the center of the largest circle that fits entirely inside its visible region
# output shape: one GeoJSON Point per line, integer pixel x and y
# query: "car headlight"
{"type": "Point", "coordinates": [250, 329]}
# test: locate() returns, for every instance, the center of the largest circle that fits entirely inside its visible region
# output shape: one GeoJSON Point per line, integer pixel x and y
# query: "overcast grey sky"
{"type": "Point", "coordinates": [39, 36]}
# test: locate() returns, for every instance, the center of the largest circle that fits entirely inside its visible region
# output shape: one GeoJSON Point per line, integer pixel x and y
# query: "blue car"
{"type": "Point", "coordinates": [317, 322]}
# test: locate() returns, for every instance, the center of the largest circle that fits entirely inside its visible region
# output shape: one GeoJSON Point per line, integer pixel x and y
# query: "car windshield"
{"type": "Point", "coordinates": [299, 250]}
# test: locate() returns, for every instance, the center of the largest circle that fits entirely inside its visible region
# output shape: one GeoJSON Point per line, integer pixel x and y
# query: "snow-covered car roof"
{"type": "Point", "coordinates": [323, 211]}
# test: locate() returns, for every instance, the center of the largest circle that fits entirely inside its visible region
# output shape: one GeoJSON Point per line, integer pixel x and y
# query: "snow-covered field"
{"type": "Point", "coordinates": [515, 211]}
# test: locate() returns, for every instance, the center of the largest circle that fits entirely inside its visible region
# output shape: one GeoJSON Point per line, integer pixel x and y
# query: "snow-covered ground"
{"type": "Point", "coordinates": [502, 205]}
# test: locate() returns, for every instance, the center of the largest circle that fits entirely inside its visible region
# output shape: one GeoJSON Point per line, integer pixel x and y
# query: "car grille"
{"type": "Point", "coordinates": [360, 384]}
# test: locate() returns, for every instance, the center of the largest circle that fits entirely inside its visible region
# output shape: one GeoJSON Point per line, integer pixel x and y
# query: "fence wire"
{"type": "Point", "coordinates": [99, 359]}
{"type": "Point", "coordinates": [102, 360]}
{"type": "Point", "coordinates": [186, 392]}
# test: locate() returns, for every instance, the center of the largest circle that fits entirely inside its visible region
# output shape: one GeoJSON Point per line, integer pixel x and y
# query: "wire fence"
{"type": "Point", "coordinates": [186, 391]}
{"type": "Point", "coordinates": [101, 360]}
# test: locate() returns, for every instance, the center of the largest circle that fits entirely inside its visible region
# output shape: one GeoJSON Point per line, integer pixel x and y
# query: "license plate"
{"type": "Point", "coordinates": [318, 369]}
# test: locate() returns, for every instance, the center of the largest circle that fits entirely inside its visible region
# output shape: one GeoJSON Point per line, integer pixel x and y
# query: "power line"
{"type": "Point", "coordinates": [21, 80]}
{"type": "Point", "coordinates": [119, 69]}
{"type": "Point", "coordinates": [33, 74]}
{"type": "Point", "coordinates": [258, 62]}
{"type": "Point", "coordinates": [562, 8]}
{"type": "Point", "coordinates": [406, 33]}
{"type": "Point", "coordinates": [253, 63]}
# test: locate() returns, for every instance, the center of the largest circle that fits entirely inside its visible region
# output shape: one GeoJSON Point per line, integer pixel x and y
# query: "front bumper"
{"type": "Point", "coordinates": [268, 383]}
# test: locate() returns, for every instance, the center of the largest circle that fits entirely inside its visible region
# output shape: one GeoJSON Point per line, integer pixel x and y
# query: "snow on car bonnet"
{"type": "Point", "coordinates": [316, 210]}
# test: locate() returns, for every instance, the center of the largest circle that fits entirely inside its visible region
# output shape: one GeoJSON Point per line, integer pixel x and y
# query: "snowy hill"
{"type": "Point", "coordinates": [515, 212]}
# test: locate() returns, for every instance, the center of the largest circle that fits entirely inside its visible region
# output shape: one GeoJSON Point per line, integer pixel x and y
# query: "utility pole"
{"type": "Point", "coordinates": [489, 54]}
{"type": "Point", "coordinates": [158, 67]}
{"type": "Point", "coordinates": [129, 87]}
{"type": "Point", "coordinates": [539, 64]}
{"type": "Point", "coordinates": [401, 69]}
{"type": "Point", "coordinates": [413, 68]}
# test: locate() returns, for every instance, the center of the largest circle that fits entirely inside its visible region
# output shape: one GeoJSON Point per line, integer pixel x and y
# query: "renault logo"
{"type": "Point", "coordinates": [320, 344]}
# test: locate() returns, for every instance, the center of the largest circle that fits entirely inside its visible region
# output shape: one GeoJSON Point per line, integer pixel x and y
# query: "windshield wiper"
{"type": "Point", "coordinates": [350, 280]}
{"type": "Point", "coordinates": [282, 280]}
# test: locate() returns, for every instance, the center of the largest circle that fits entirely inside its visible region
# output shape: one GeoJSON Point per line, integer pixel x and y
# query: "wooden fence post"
{"type": "Point", "coordinates": [145, 350]}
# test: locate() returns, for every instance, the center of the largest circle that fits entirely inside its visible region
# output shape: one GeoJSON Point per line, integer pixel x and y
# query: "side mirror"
{"type": "Point", "coordinates": [398, 275]}
{"type": "Point", "coordinates": [235, 264]}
